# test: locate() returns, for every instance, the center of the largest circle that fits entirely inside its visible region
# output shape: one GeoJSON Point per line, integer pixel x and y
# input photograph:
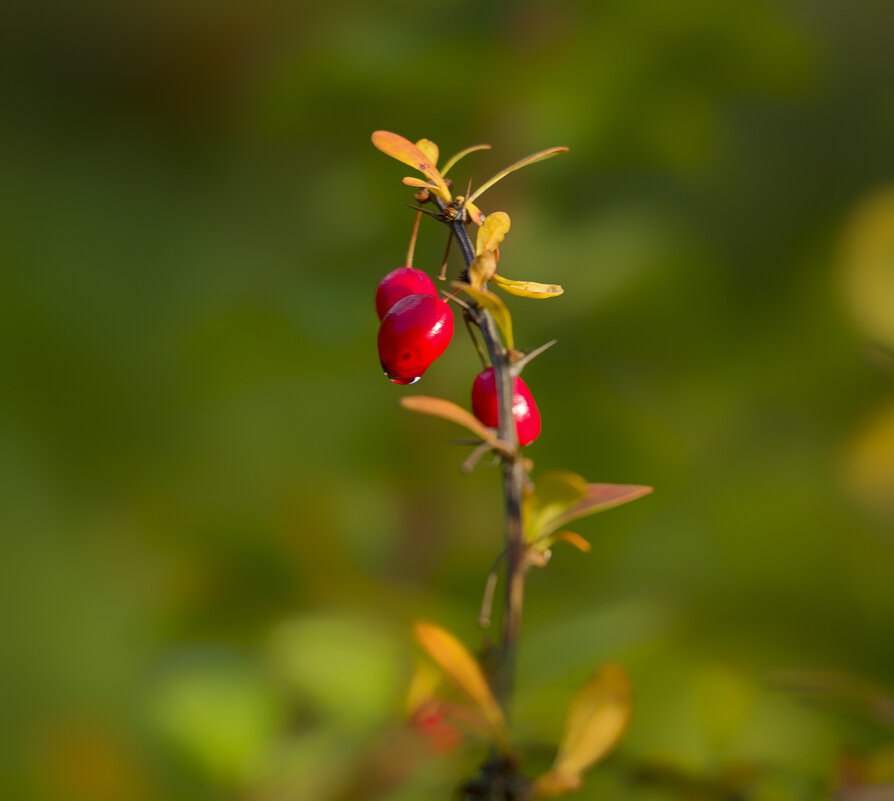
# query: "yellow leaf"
{"type": "Point", "coordinates": [483, 268]}
{"type": "Point", "coordinates": [430, 149]}
{"type": "Point", "coordinates": [460, 666]}
{"type": "Point", "coordinates": [475, 214]}
{"type": "Point", "coordinates": [447, 410]}
{"type": "Point", "coordinates": [495, 306]}
{"type": "Point", "coordinates": [391, 144]}
{"type": "Point", "coordinates": [462, 153]}
{"type": "Point", "coordinates": [532, 159]}
{"type": "Point", "coordinates": [526, 289]}
{"type": "Point", "coordinates": [492, 232]}
{"type": "Point", "coordinates": [597, 717]}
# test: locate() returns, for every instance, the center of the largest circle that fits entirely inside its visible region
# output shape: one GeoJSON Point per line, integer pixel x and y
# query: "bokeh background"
{"type": "Point", "coordinates": [217, 524]}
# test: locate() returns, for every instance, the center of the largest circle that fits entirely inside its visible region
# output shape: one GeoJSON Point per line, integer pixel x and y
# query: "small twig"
{"type": "Point", "coordinates": [467, 441]}
{"type": "Point", "coordinates": [443, 274]}
{"type": "Point", "coordinates": [438, 217]}
{"type": "Point", "coordinates": [516, 367]}
{"type": "Point", "coordinates": [490, 586]}
{"type": "Point", "coordinates": [475, 456]}
{"type": "Point", "coordinates": [456, 300]}
{"type": "Point", "coordinates": [481, 355]}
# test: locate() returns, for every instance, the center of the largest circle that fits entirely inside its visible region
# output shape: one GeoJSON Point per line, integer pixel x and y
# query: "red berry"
{"type": "Point", "coordinates": [416, 330]}
{"type": "Point", "coordinates": [398, 284]}
{"type": "Point", "coordinates": [524, 410]}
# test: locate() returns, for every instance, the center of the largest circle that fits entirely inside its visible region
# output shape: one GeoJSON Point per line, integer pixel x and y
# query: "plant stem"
{"type": "Point", "coordinates": [513, 482]}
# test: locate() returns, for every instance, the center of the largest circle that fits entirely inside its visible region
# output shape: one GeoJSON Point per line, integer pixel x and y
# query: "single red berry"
{"type": "Point", "coordinates": [486, 407]}
{"type": "Point", "coordinates": [416, 330]}
{"type": "Point", "coordinates": [398, 284]}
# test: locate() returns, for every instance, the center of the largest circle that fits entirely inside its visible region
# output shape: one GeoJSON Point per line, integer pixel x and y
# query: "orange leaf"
{"type": "Point", "coordinates": [532, 159]}
{"type": "Point", "coordinates": [573, 539]}
{"type": "Point", "coordinates": [447, 410]}
{"type": "Point", "coordinates": [404, 150]}
{"type": "Point", "coordinates": [460, 666]}
{"type": "Point", "coordinates": [409, 181]}
{"type": "Point", "coordinates": [600, 497]}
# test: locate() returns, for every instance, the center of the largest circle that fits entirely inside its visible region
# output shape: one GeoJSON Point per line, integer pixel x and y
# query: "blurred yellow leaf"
{"type": "Point", "coordinates": [430, 149]}
{"type": "Point", "coordinates": [462, 154]}
{"type": "Point", "coordinates": [868, 265]}
{"type": "Point", "coordinates": [495, 306]}
{"type": "Point", "coordinates": [460, 666]}
{"type": "Point", "coordinates": [493, 231]}
{"type": "Point", "coordinates": [869, 463]}
{"type": "Point", "coordinates": [532, 159]}
{"type": "Point", "coordinates": [482, 269]}
{"type": "Point", "coordinates": [447, 410]}
{"type": "Point", "coordinates": [405, 151]}
{"type": "Point", "coordinates": [526, 289]}
{"type": "Point", "coordinates": [555, 492]}
{"type": "Point", "coordinates": [423, 686]}
{"type": "Point", "coordinates": [597, 717]}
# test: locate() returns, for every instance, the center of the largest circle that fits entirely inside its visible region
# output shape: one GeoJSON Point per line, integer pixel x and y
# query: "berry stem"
{"type": "Point", "coordinates": [411, 248]}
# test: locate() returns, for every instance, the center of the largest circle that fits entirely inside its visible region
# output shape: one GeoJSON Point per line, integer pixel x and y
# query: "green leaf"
{"type": "Point", "coordinates": [532, 159]}
{"type": "Point", "coordinates": [462, 154]}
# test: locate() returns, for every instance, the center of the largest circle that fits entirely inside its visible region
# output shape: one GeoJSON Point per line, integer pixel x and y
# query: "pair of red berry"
{"type": "Point", "coordinates": [417, 325]}
{"type": "Point", "coordinates": [416, 329]}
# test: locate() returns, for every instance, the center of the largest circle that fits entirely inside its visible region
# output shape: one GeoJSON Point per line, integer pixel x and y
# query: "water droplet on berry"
{"type": "Point", "coordinates": [404, 381]}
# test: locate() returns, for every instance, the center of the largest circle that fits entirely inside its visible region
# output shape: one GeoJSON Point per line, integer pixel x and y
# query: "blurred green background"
{"type": "Point", "coordinates": [217, 524]}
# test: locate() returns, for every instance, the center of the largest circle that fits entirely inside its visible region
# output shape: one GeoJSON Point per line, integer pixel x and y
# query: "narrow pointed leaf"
{"type": "Point", "coordinates": [555, 492]}
{"type": "Point", "coordinates": [532, 159]}
{"type": "Point", "coordinates": [493, 231]}
{"type": "Point", "coordinates": [526, 289]}
{"type": "Point", "coordinates": [462, 154]}
{"type": "Point", "coordinates": [597, 717]}
{"type": "Point", "coordinates": [495, 306]}
{"type": "Point", "coordinates": [404, 150]}
{"type": "Point", "coordinates": [430, 149]}
{"type": "Point", "coordinates": [418, 182]}
{"type": "Point", "coordinates": [447, 410]}
{"type": "Point", "coordinates": [572, 539]}
{"type": "Point", "coordinates": [600, 497]}
{"type": "Point", "coordinates": [460, 666]}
